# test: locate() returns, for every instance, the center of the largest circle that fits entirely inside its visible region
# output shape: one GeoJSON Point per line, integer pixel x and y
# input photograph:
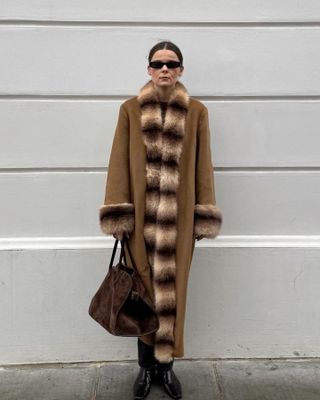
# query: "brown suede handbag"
{"type": "Point", "coordinates": [122, 305]}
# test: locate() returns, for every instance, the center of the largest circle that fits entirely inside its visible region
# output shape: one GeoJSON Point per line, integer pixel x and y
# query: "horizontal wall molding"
{"type": "Point", "coordinates": [101, 242]}
{"type": "Point", "coordinates": [124, 12]}
{"type": "Point", "coordinates": [235, 169]}
{"type": "Point", "coordinates": [150, 24]}
{"type": "Point", "coordinates": [123, 97]}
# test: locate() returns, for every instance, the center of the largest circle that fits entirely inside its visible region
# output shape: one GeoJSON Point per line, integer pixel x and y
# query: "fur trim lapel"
{"type": "Point", "coordinates": [164, 142]}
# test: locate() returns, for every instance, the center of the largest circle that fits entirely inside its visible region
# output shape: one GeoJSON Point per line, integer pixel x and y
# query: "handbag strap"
{"type": "Point", "coordinates": [122, 253]}
{"type": "Point", "coordinates": [123, 243]}
{"type": "Point", "coordinates": [114, 253]}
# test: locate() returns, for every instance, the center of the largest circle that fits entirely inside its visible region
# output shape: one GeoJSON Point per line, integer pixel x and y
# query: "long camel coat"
{"type": "Point", "coordinates": [160, 192]}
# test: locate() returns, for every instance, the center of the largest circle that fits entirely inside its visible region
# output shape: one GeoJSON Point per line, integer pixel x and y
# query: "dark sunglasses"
{"type": "Point", "coordinates": [169, 64]}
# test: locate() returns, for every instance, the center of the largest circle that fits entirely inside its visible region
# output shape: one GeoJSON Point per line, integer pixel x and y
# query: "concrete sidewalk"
{"type": "Point", "coordinates": [268, 379]}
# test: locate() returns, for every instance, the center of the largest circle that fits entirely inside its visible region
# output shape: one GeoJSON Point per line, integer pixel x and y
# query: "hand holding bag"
{"type": "Point", "coordinates": [122, 305]}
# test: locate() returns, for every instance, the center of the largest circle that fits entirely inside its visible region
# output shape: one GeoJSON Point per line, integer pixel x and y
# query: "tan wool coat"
{"type": "Point", "coordinates": [160, 192]}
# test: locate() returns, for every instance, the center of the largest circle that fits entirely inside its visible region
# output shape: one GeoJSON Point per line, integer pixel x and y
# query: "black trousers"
{"type": "Point", "coordinates": [146, 357]}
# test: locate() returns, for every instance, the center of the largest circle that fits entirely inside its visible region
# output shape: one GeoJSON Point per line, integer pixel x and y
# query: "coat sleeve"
{"type": "Point", "coordinates": [207, 216]}
{"type": "Point", "coordinates": [116, 215]}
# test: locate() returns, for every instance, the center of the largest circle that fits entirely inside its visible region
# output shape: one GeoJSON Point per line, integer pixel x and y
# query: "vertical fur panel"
{"type": "Point", "coordinates": [163, 141]}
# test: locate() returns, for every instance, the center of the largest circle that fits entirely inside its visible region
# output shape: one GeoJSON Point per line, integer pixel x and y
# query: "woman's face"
{"type": "Point", "coordinates": [165, 77]}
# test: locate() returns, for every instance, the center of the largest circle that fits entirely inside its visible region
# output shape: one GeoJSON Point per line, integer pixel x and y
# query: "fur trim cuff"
{"type": "Point", "coordinates": [117, 218]}
{"type": "Point", "coordinates": [207, 220]}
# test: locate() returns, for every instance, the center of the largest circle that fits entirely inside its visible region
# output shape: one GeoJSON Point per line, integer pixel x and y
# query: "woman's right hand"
{"type": "Point", "coordinates": [121, 235]}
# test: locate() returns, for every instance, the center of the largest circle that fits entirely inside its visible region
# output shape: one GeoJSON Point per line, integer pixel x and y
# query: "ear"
{"type": "Point", "coordinates": [149, 70]}
{"type": "Point", "coordinates": [181, 71]}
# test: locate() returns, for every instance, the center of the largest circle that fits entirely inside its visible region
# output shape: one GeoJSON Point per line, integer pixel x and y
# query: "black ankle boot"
{"type": "Point", "coordinates": [170, 382]}
{"type": "Point", "coordinates": [142, 384]}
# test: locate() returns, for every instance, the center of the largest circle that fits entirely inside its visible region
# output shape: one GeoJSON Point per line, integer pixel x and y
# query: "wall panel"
{"type": "Point", "coordinates": [189, 11]}
{"type": "Point", "coordinates": [93, 60]}
{"type": "Point", "coordinates": [79, 134]}
{"type": "Point", "coordinates": [48, 294]}
{"type": "Point", "coordinates": [66, 203]}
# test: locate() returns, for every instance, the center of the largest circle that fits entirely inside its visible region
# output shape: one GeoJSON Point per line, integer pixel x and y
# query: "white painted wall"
{"type": "Point", "coordinates": [63, 74]}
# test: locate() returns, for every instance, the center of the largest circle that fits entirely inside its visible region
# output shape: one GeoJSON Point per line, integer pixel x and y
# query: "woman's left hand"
{"type": "Point", "coordinates": [199, 237]}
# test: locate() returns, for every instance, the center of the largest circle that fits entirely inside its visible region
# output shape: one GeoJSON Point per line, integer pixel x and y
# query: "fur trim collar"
{"type": "Point", "coordinates": [179, 96]}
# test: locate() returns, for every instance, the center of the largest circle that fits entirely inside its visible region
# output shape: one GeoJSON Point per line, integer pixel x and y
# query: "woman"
{"type": "Point", "coordinates": [160, 195]}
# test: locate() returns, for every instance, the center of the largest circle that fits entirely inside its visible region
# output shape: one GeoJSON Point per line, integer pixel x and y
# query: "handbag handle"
{"type": "Point", "coordinates": [122, 253]}
{"type": "Point", "coordinates": [114, 253]}
{"type": "Point", "coordinates": [123, 243]}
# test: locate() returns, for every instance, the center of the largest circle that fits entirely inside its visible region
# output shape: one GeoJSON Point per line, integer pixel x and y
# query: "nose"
{"type": "Point", "coordinates": [164, 67]}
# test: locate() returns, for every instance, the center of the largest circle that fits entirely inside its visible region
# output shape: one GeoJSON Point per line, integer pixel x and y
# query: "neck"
{"type": "Point", "coordinates": [164, 92]}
